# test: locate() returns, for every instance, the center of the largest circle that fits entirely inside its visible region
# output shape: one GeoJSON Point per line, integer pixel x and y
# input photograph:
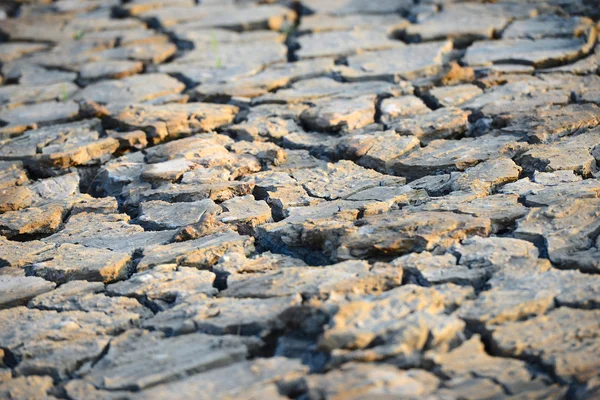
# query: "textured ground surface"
{"type": "Point", "coordinates": [325, 199]}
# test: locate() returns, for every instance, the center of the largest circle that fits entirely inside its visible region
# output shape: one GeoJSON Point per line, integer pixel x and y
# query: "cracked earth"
{"type": "Point", "coordinates": [314, 199]}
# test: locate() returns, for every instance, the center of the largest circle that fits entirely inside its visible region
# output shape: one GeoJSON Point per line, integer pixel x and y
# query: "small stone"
{"type": "Point", "coordinates": [588, 65]}
{"type": "Point", "coordinates": [89, 204]}
{"type": "Point", "coordinates": [318, 144]}
{"type": "Point", "coordinates": [79, 389]}
{"type": "Point", "coordinates": [33, 75]}
{"type": "Point", "coordinates": [385, 198]}
{"type": "Point", "coordinates": [557, 178]}
{"type": "Point", "coordinates": [56, 189]}
{"type": "Point", "coordinates": [281, 198]}
{"type": "Point", "coordinates": [510, 100]}
{"type": "Point", "coordinates": [206, 176]}
{"type": "Point", "coordinates": [287, 235]}
{"type": "Point", "coordinates": [91, 109]}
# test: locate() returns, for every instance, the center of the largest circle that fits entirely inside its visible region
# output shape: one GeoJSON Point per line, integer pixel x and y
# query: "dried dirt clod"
{"type": "Point", "coordinates": [399, 323]}
{"type": "Point", "coordinates": [350, 276]}
{"type": "Point", "coordinates": [200, 253]}
{"type": "Point", "coordinates": [42, 220]}
{"type": "Point", "coordinates": [18, 289]}
{"type": "Point", "coordinates": [315, 200]}
{"type": "Point", "coordinates": [15, 198]}
{"type": "Point", "coordinates": [74, 262]}
{"type": "Point", "coordinates": [545, 339]}
{"type": "Point", "coordinates": [170, 121]}
{"type": "Point", "coordinates": [165, 284]}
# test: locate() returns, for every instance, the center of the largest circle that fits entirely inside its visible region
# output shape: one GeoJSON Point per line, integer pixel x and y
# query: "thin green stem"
{"type": "Point", "coordinates": [215, 46]}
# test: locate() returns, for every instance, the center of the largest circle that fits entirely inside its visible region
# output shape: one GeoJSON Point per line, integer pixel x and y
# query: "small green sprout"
{"type": "Point", "coordinates": [78, 35]}
{"type": "Point", "coordinates": [215, 46]}
{"type": "Point", "coordinates": [288, 28]}
{"type": "Point", "coordinates": [63, 95]}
